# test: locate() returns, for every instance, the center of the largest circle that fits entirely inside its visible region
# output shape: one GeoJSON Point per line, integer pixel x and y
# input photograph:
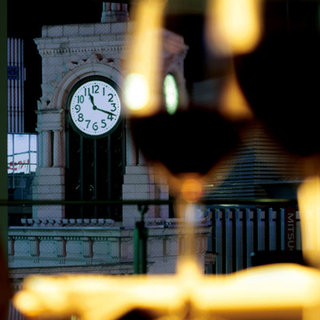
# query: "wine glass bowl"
{"type": "Point", "coordinates": [191, 140]}
{"type": "Point", "coordinates": [189, 143]}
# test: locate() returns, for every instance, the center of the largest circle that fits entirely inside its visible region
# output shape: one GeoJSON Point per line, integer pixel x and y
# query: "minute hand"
{"type": "Point", "coordinates": [105, 111]}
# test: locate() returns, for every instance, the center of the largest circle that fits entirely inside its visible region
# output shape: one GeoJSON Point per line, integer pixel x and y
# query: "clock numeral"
{"type": "Point", "coordinates": [77, 108]}
{"type": "Point", "coordinates": [95, 88]}
{"type": "Point", "coordinates": [110, 95]}
{"type": "Point", "coordinates": [80, 117]}
{"type": "Point", "coordinates": [95, 126]}
{"type": "Point", "coordinates": [80, 99]}
{"type": "Point", "coordinates": [110, 116]}
{"type": "Point", "coordinates": [114, 108]}
{"type": "Point", "coordinates": [104, 124]}
{"type": "Point", "coordinates": [86, 91]}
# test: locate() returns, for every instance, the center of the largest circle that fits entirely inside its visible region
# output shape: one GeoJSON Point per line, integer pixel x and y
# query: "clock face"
{"type": "Point", "coordinates": [94, 106]}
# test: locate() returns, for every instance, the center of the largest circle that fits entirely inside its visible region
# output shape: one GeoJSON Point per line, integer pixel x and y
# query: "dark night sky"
{"type": "Point", "coordinates": [25, 19]}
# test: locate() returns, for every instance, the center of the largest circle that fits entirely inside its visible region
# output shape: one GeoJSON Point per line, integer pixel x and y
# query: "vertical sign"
{"type": "Point", "coordinates": [290, 229]}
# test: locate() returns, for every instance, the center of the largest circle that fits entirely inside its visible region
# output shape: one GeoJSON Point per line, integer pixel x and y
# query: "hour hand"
{"type": "Point", "coordinates": [92, 101]}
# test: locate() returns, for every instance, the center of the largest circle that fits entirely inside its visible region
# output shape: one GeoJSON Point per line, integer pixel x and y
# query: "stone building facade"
{"type": "Point", "coordinates": [70, 53]}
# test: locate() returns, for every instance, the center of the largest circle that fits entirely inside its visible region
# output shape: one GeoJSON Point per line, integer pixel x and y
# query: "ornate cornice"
{"type": "Point", "coordinates": [96, 57]}
{"type": "Point", "coordinates": [80, 44]}
{"type": "Point", "coordinates": [46, 52]}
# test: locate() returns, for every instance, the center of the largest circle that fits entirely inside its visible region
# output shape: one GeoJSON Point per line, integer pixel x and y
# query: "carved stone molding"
{"type": "Point", "coordinates": [115, 50]}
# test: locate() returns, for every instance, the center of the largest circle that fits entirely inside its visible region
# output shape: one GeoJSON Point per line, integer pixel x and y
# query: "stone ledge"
{"type": "Point", "coordinates": [136, 179]}
{"type": "Point", "coordinates": [137, 170]}
{"type": "Point", "coordinates": [123, 267]}
{"type": "Point", "coordinates": [51, 171]}
{"type": "Point", "coordinates": [43, 180]}
{"type": "Point", "coordinates": [84, 29]}
{"type": "Point", "coordinates": [66, 222]}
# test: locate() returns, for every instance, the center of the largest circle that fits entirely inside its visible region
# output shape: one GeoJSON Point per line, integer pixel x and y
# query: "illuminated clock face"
{"type": "Point", "coordinates": [94, 106]}
{"type": "Point", "coordinates": [171, 93]}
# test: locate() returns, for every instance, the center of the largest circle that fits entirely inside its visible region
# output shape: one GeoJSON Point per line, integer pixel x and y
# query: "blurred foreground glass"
{"type": "Point", "coordinates": [142, 65]}
{"type": "Point", "coordinates": [184, 145]}
{"type": "Point", "coordinates": [309, 205]}
{"type": "Point", "coordinates": [279, 291]}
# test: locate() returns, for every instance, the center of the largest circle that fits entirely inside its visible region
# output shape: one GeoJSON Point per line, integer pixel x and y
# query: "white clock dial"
{"type": "Point", "coordinates": [95, 107]}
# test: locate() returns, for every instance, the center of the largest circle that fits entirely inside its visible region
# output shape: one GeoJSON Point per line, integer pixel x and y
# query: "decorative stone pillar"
{"type": "Point", "coordinates": [57, 149]}
{"type": "Point", "coordinates": [48, 183]}
{"type": "Point", "coordinates": [131, 153]}
{"type": "Point", "coordinates": [46, 154]}
{"type": "Point", "coordinates": [139, 184]}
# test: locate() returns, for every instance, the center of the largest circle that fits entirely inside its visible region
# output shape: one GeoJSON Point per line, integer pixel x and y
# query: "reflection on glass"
{"type": "Point", "coordinates": [143, 59]}
{"type": "Point", "coordinates": [309, 205]}
{"type": "Point", "coordinates": [136, 93]}
{"type": "Point", "coordinates": [171, 93]}
{"type": "Point", "coordinates": [22, 153]}
{"type": "Point", "coordinates": [233, 26]}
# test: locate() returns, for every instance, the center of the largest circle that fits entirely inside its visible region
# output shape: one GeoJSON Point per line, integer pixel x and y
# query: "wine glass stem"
{"type": "Point", "coordinates": [186, 214]}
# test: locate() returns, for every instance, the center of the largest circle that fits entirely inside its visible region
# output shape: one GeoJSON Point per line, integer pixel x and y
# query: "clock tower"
{"type": "Point", "coordinates": [85, 150]}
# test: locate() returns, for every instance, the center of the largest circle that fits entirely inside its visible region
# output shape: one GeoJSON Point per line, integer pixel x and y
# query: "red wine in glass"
{"type": "Point", "coordinates": [190, 141]}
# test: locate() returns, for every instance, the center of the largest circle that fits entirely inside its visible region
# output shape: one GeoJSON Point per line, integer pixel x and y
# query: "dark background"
{"type": "Point", "coordinates": [25, 19]}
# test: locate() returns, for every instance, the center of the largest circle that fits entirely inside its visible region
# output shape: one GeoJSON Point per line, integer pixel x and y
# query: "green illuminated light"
{"type": "Point", "coordinates": [171, 93]}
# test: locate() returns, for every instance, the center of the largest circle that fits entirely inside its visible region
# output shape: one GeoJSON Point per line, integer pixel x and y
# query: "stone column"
{"type": "Point", "coordinates": [49, 182]}
{"type": "Point", "coordinates": [46, 154]}
{"type": "Point", "coordinates": [139, 184]}
{"type": "Point", "coordinates": [131, 153]}
{"type": "Point", "coordinates": [57, 148]}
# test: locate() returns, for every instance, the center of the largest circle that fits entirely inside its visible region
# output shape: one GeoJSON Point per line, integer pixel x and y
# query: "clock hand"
{"type": "Point", "coordinates": [96, 108]}
{"type": "Point", "coordinates": [105, 111]}
{"type": "Point", "coordinates": [92, 101]}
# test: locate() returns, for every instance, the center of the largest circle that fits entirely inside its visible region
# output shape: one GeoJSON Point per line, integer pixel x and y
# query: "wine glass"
{"type": "Point", "coordinates": [188, 145]}
{"type": "Point", "coordinates": [173, 143]}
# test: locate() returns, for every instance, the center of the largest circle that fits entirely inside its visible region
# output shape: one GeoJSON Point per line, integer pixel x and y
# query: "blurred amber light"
{"type": "Point", "coordinates": [191, 188]}
{"type": "Point", "coordinates": [309, 207]}
{"type": "Point", "coordinates": [136, 93]}
{"type": "Point", "coordinates": [234, 106]}
{"type": "Point", "coordinates": [233, 26]}
{"type": "Point", "coordinates": [279, 291]}
{"type": "Point", "coordinates": [141, 88]}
